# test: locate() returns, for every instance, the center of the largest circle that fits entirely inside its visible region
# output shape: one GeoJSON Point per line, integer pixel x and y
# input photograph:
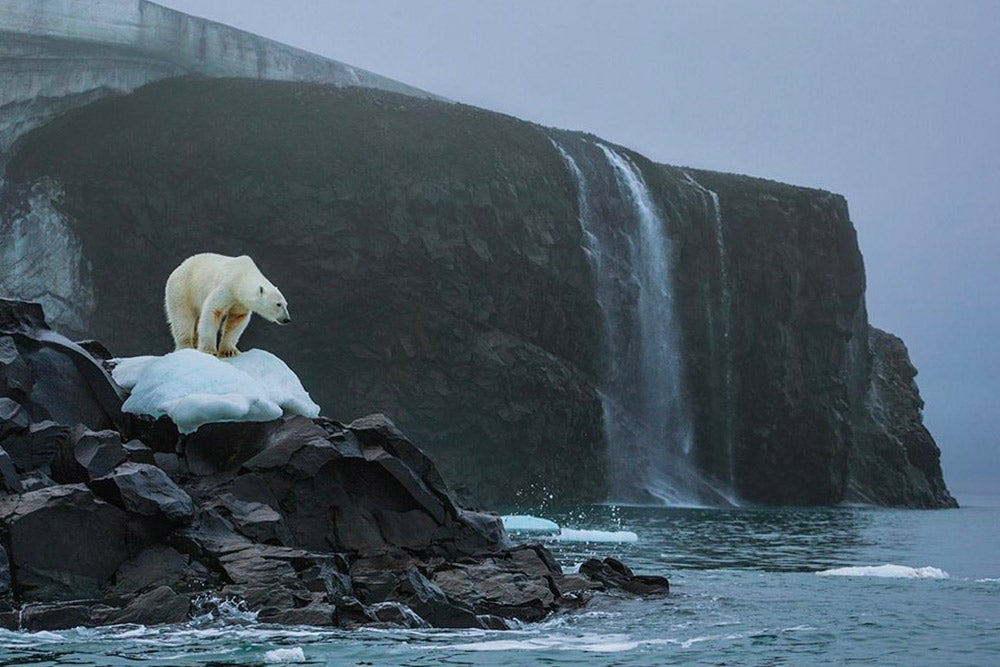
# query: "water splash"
{"type": "Point", "coordinates": [208, 608]}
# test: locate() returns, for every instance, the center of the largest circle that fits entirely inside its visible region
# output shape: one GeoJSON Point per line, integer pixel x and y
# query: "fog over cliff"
{"type": "Point", "coordinates": [891, 104]}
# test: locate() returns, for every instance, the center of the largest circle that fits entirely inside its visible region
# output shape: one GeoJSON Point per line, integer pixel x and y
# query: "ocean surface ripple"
{"type": "Point", "coordinates": [915, 587]}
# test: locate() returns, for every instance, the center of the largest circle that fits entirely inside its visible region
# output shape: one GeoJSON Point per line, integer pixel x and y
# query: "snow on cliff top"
{"type": "Point", "coordinates": [194, 388]}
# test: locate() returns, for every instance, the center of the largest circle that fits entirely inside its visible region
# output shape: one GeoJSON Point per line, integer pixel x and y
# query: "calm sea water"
{"type": "Point", "coordinates": [746, 591]}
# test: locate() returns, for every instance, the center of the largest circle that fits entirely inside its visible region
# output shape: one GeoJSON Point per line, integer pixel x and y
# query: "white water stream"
{"type": "Point", "coordinates": [647, 419]}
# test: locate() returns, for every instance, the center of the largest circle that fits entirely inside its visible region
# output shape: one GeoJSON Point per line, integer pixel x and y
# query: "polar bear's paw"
{"type": "Point", "coordinates": [226, 352]}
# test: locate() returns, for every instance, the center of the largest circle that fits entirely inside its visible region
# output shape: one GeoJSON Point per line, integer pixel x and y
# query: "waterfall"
{"type": "Point", "coordinates": [647, 420]}
{"type": "Point", "coordinates": [660, 408]}
{"type": "Point", "coordinates": [722, 333]}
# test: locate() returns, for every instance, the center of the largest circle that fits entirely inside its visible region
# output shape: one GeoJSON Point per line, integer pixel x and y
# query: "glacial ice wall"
{"type": "Point", "coordinates": [41, 259]}
{"type": "Point", "coordinates": [56, 54]}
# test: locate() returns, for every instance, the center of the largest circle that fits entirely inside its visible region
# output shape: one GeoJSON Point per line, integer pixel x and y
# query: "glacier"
{"type": "Point", "coordinates": [58, 54]}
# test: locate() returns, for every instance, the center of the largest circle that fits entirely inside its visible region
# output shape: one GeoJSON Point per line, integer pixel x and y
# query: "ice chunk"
{"type": "Point", "coordinates": [887, 570]}
{"type": "Point", "coordinates": [575, 535]}
{"type": "Point", "coordinates": [525, 523]}
{"type": "Point", "coordinates": [194, 388]}
{"type": "Point", "coordinates": [285, 655]}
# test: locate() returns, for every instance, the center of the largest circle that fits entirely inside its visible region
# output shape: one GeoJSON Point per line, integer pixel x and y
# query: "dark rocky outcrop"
{"type": "Point", "coordinates": [75, 390]}
{"type": "Point", "coordinates": [614, 573]}
{"type": "Point", "coordinates": [438, 252]}
{"type": "Point", "coordinates": [86, 455]}
{"type": "Point", "coordinates": [144, 489]}
{"type": "Point", "coordinates": [300, 521]}
{"type": "Point", "coordinates": [64, 542]}
{"type": "Point", "coordinates": [896, 461]}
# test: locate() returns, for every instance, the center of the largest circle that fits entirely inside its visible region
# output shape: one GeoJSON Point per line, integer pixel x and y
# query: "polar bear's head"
{"type": "Point", "coordinates": [270, 304]}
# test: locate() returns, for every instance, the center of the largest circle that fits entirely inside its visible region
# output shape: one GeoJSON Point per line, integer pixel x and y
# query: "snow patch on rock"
{"type": "Point", "coordinates": [194, 388]}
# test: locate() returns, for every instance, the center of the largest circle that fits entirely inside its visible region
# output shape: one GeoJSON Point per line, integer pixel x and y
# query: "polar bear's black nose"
{"type": "Point", "coordinates": [285, 320]}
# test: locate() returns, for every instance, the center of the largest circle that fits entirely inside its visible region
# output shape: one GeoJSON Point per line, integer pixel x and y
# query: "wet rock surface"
{"type": "Point", "coordinates": [298, 521]}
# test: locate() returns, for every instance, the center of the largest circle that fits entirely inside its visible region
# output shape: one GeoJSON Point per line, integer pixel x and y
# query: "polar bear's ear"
{"type": "Point", "coordinates": [261, 290]}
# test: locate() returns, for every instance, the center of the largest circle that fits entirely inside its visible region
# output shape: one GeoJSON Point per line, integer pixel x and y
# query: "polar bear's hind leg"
{"type": "Point", "coordinates": [183, 327]}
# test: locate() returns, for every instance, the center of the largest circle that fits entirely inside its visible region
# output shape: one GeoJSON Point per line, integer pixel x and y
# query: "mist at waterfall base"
{"type": "Point", "coordinates": [749, 587]}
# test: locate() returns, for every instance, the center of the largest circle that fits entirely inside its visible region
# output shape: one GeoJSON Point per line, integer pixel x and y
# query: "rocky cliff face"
{"type": "Point", "coordinates": [783, 362]}
{"type": "Point", "coordinates": [895, 461]}
{"type": "Point", "coordinates": [445, 266]}
{"type": "Point", "coordinates": [794, 317]}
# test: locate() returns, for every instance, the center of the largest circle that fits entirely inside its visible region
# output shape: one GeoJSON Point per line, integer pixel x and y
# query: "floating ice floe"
{"type": "Point", "coordinates": [888, 570]}
{"type": "Point", "coordinates": [575, 535]}
{"type": "Point", "coordinates": [526, 523]}
{"type": "Point", "coordinates": [194, 388]}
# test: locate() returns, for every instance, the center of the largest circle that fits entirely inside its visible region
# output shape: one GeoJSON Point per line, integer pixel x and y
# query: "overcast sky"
{"type": "Point", "coordinates": [895, 105]}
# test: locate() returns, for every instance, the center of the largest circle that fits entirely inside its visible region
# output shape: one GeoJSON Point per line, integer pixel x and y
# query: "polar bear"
{"type": "Point", "coordinates": [208, 291]}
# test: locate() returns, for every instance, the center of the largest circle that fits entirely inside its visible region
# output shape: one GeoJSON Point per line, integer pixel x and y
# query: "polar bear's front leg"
{"type": "Point", "coordinates": [236, 323]}
{"type": "Point", "coordinates": [212, 311]}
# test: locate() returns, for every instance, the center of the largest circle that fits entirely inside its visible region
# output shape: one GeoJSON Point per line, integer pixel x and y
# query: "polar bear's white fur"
{"type": "Point", "coordinates": [209, 291]}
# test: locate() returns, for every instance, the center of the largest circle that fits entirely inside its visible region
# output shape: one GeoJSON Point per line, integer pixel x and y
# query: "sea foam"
{"type": "Point", "coordinates": [888, 570]}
